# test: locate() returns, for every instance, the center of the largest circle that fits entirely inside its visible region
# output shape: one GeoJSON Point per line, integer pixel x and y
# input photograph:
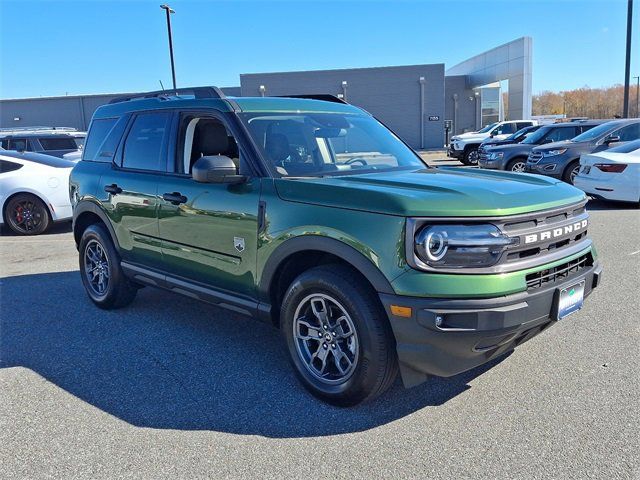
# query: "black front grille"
{"type": "Point", "coordinates": [544, 221]}
{"type": "Point", "coordinates": [534, 157]}
{"type": "Point", "coordinates": [558, 273]}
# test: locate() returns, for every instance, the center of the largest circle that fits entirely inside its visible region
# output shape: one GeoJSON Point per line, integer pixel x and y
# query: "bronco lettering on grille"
{"type": "Point", "coordinates": [555, 232]}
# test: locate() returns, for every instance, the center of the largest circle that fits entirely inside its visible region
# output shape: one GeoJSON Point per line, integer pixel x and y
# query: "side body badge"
{"type": "Point", "coordinates": [238, 242]}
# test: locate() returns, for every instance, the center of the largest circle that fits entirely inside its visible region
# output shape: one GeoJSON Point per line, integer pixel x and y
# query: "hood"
{"type": "Point", "coordinates": [470, 136]}
{"type": "Point", "coordinates": [578, 146]}
{"type": "Point", "coordinates": [459, 192]}
{"type": "Point", "coordinates": [510, 147]}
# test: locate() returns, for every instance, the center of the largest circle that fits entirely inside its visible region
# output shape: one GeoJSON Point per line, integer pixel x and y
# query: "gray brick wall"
{"type": "Point", "coordinates": [392, 94]}
{"type": "Point", "coordinates": [71, 111]}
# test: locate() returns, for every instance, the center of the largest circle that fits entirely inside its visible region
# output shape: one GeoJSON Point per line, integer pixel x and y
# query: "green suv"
{"type": "Point", "coordinates": [310, 214]}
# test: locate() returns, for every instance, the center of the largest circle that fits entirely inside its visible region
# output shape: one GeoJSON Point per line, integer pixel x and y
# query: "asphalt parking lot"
{"type": "Point", "coordinates": [168, 387]}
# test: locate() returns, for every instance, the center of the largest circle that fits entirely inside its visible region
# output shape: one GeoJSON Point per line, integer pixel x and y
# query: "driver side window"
{"type": "Point", "coordinates": [507, 128]}
{"type": "Point", "coordinates": [201, 136]}
{"type": "Point", "coordinates": [628, 133]}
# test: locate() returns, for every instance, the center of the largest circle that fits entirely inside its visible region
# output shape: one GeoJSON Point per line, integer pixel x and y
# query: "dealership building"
{"type": "Point", "coordinates": [423, 104]}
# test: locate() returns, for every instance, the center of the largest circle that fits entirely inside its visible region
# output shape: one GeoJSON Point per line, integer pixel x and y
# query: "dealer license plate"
{"type": "Point", "coordinates": [570, 299]}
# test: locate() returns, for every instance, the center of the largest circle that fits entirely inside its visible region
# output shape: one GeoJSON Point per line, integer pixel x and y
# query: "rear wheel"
{"type": "Point", "coordinates": [102, 276]}
{"type": "Point", "coordinates": [339, 339]}
{"type": "Point", "coordinates": [26, 214]}
{"type": "Point", "coordinates": [516, 165]}
{"type": "Point", "coordinates": [571, 172]}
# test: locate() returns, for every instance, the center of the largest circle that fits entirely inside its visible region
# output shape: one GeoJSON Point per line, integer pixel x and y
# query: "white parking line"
{"type": "Point", "coordinates": [634, 253]}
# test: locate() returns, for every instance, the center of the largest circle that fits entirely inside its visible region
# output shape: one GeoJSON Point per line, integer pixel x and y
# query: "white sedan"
{"type": "Point", "coordinates": [612, 174]}
{"type": "Point", "coordinates": [34, 191]}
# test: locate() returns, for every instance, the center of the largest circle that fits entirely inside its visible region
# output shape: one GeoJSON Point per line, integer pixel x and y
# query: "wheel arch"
{"type": "Point", "coordinates": [298, 254]}
{"type": "Point", "coordinates": [569, 163]}
{"type": "Point", "coordinates": [88, 213]}
{"type": "Point", "coordinates": [26, 191]}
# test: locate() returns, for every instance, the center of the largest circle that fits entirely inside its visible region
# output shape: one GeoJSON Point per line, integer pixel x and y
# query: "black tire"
{"type": "Point", "coordinates": [117, 291]}
{"type": "Point", "coordinates": [567, 174]}
{"type": "Point", "coordinates": [371, 351]}
{"type": "Point", "coordinates": [26, 214]}
{"type": "Point", "coordinates": [516, 165]}
{"type": "Point", "coordinates": [470, 156]}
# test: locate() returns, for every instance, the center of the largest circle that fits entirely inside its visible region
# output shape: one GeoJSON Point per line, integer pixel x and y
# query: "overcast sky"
{"type": "Point", "coordinates": [95, 46]}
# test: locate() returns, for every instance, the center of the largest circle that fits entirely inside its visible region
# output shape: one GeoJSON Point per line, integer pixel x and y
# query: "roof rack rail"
{"type": "Point", "coordinates": [317, 96]}
{"type": "Point", "coordinates": [38, 128]}
{"type": "Point", "coordinates": [198, 92]}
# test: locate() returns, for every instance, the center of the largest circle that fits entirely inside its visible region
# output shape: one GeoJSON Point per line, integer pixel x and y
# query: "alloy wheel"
{"type": "Point", "coordinates": [96, 267]}
{"type": "Point", "coordinates": [518, 167]}
{"type": "Point", "coordinates": [326, 339]}
{"type": "Point", "coordinates": [27, 216]}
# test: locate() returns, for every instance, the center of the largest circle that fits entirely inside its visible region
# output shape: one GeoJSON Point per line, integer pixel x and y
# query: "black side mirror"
{"type": "Point", "coordinates": [612, 139]}
{"type": "Point", "coordinates": [216, 169]}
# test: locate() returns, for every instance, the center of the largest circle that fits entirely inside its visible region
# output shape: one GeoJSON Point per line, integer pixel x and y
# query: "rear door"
{"type": "Point", "coordinates": [130, 187]}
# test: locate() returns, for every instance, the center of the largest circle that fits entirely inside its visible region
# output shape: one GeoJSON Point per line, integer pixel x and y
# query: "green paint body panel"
{"type": "Point", "coordinates": [367, 212]}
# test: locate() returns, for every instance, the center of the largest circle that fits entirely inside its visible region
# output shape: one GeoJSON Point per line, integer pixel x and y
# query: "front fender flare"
{"type": "Point", "coordinates": [323, 244]}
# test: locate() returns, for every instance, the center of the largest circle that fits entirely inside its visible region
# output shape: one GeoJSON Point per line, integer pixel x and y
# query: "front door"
{"type": "Point", "coordinates": [209, 231]}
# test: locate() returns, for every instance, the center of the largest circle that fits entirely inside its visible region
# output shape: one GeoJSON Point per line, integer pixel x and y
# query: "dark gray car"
{"type": "Point", "coordinates": [48, 140]}
{"type": "Point", "coordinates": [562, 159]}
{"type": "Point", "coordinates": [514, 157]}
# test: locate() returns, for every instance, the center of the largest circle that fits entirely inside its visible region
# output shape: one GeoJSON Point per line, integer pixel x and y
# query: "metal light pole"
{"type": "Point", "coordinates": [627, 69]}
{"type": "Point", "coordinates": [637, 96]}
{"type": "Point", "coordinates": [169, 11]}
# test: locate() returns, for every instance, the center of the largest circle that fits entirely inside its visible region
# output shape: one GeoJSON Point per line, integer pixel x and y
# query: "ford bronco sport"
{"type": "Point", "coordinates": [312, 215]}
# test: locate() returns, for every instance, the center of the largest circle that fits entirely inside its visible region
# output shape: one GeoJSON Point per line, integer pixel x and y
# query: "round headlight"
{"type": "Point", "coordinates": [435, 245]}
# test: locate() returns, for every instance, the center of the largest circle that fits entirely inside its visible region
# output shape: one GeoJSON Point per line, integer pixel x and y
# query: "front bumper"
{"type": "Point", "coordinates": [445, 337]}
{"type": "Point", "coordinates": [457, 154]}
{"type": "Point", "coordinates": [550, 169]}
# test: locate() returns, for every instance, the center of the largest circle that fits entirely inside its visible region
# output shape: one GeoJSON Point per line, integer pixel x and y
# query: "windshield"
{"type": "Point", "coordinates": [320, 144]}
{"type": "Point", "coordinates": [595, 132]}
{"type": "Point", "coordinates": [487, 128]}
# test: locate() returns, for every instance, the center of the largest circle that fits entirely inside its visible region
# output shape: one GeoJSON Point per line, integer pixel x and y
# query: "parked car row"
{"type": "Point", "coordinates": [562, 159]}
{"type": "Point", "coordinates": [56, 141]}
{"type": "Point", "coordinates": [598, 156]}
{"type": "Point", "coordinates": [464, 147]}
{"type": "Point", "coordinates": [513, 157]}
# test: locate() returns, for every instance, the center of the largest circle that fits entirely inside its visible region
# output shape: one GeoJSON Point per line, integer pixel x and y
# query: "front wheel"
{"type": "Point", "coordinates": [571, 172]}
{"type": "Point", "coordinates": [516, 165]}
{"type": "Point", "coordinates": [339, 339]}
{"type": "Point", "coordinates": [470, 156]}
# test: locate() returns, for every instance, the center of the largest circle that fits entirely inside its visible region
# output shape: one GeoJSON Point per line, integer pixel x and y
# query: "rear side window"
{"type": "Point", "coordinates": [6, 166]}
{"type": "Point", "coordinates": [58, 143]}
{"type": "Point", "coordinates": [144, 146]}
{"type": "Point", "coordinates": [103, 139]}
{"type": "Point", "coordinates": [523, 125]}
{"type": "Point", "coordinates": [561, 133]}
{"type": "Point", "coordinates": [507, 128]}
{"type": "Point", "coordinates": [19, 144]}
